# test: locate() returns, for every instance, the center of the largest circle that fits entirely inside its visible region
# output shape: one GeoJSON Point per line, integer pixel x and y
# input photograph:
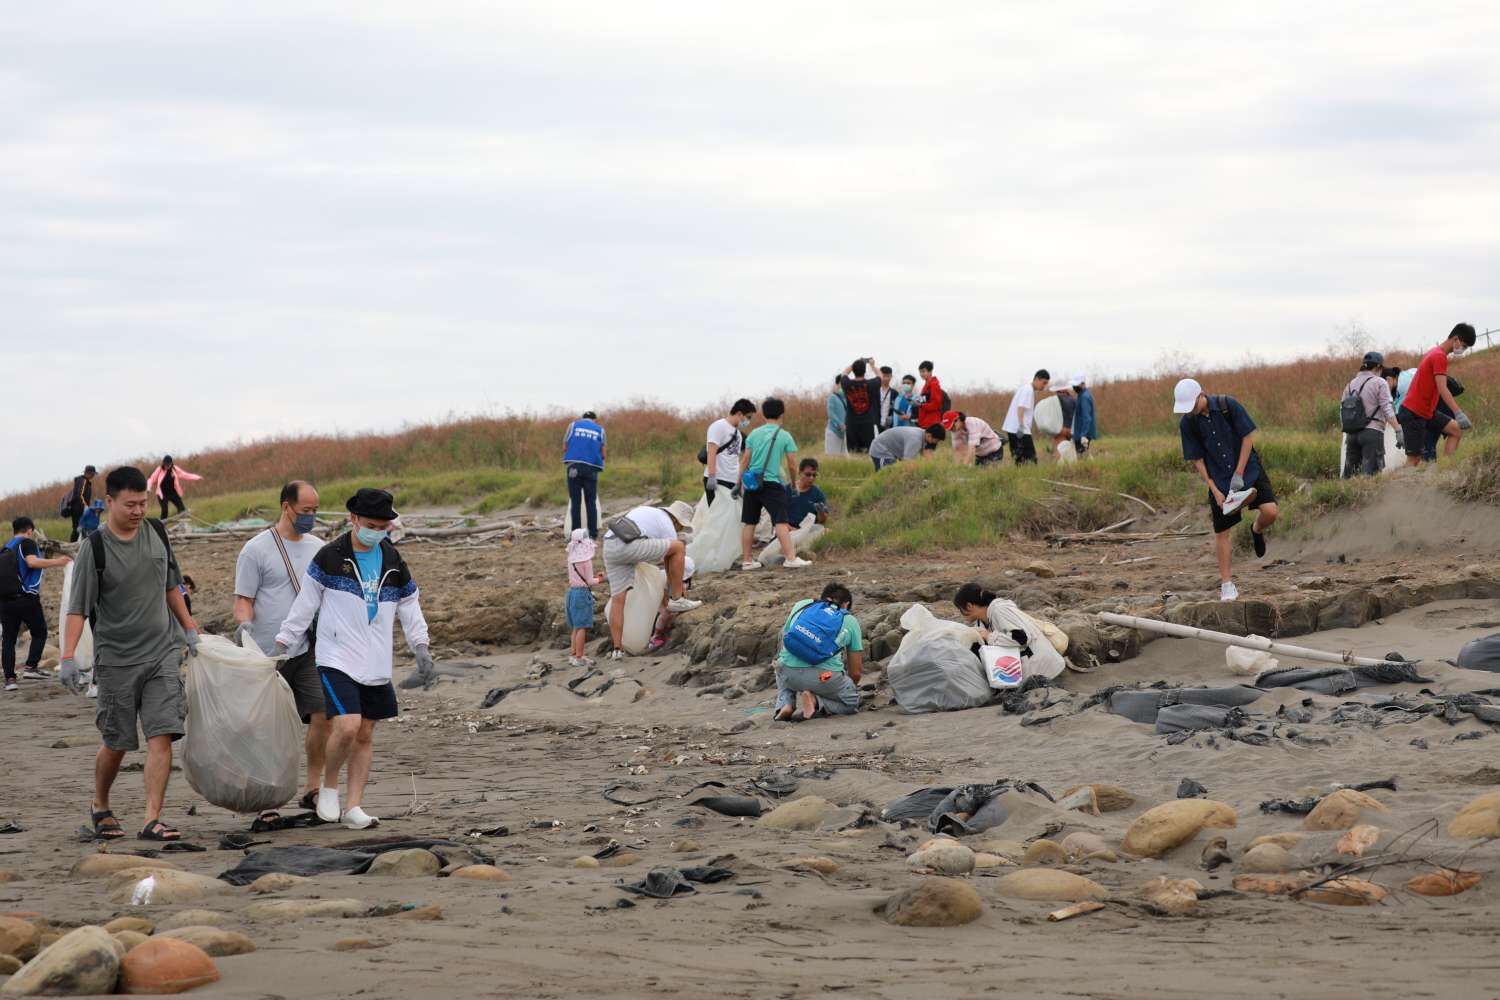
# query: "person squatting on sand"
{"type": "Point", "coordinates": [645, 535]}
{"type": "Point", "coordinates": [1218, 438]}
{"type": "Point", "coordinates": [268, 577]}
{"type": "Point", "coordinates": [125, 584]}
{"type": "Point", "coordinates": [812, 675]}
{"type": "Point", "coordinates": [356, 587]}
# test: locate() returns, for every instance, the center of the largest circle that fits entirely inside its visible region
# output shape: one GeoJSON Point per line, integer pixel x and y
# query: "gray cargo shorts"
{"type": "Point", "coordinates": [301, 675]}
{"type": "Point", "coordinates": [147, 696]}
{"type": "Point", "coordinates": [620, 559]}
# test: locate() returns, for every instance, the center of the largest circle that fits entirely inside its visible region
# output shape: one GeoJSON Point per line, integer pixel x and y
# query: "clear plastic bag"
{"type": "Point", "coordinates": [935, 669]}
{"type": "Point", "coordinates": [642, 604]}
{"type": "Point", "coordinates": [244, 736]}
{"type": "Point", "coordinates": [84, 654]}
{"type": "Point", "coordinates": [715, 544]}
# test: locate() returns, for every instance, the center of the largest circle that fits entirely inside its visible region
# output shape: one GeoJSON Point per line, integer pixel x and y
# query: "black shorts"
{"type": "Point", "coordinates": [859, 436]}
{"type": "Point", "coordinates": [301, 675]}
{"type": "Point", "coordinates": [1415, 428]}
{"type": "Point", "coordinates": [1263, 494]}
{"type": "Point", "coordinates": [346, 696]}
{"type": "Point", "coordinates": [771, 498]}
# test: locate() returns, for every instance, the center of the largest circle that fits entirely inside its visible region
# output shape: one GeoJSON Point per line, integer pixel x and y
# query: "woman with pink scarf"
{"type": "Point", "coordinates": [166, 482]}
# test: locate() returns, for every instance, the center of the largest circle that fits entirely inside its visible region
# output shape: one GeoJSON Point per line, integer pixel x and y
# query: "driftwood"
{"type": "Point", "coordinates": [1123, 537]}
{"type": "Point", "coordinates": [1346, 657]}
{"type": "Point", "coordinates": [1095, 489]}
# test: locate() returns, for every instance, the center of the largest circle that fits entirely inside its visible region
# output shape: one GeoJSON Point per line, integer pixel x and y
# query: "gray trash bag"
{"type": "Point", "coordinates": [1481, 654]}
{"type": "Point", "coordinates": [937, 673]}
{"type": "Point", "coordinates": [1189, 718]}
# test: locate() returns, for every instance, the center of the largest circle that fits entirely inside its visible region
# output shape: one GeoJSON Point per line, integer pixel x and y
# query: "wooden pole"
{"type": "Point", "coordinates": [1347, 657]}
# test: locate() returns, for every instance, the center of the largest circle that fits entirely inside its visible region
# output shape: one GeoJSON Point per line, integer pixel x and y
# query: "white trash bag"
{"type": "Point", "coordinates": [244, 736]}
{"type": "Point", "coordinates": [642, 604]}
{"type": "Point", "coordinates": [935, 669]}
{"type": "Point", "coordinates": [715, 543]}
{"type": "Point", "coordinates": [1250, 662]}
{"type": "Point", "coordinates": [802, 538]}
{"type": "Point", "coordinates": [84, 654]}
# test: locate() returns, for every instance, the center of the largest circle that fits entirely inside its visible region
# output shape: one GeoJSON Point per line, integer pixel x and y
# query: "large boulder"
{"type": "Point", "coordinates": [163, 888]}
{"type": "Point", "coordinates": [1159, 829]}
{"type": "Point", "coordinates": [166, 965]}
{"type": "Point", "coordinates": [19, 938]}
{"type": "Point", "coordinates": [1049, 884]}
{"type": "Point", "coordinates": [84, 962]}
{"type": "Point", "coordinates": [1341, 810]}
{"type": "Point", "coordinates": [1479, 819]}
{"type": "Point", "coordinates": [933, 902]}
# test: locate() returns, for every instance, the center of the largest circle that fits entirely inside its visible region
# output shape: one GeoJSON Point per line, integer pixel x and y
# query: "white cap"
{"type": "Point", "coordinates": [1185, 396]}
{"type": "Point", "coordinates": [1078, 380]}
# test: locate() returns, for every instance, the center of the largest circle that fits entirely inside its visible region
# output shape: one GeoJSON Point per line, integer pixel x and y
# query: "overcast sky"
{"type": "Point", "coordinates": [232, 220]}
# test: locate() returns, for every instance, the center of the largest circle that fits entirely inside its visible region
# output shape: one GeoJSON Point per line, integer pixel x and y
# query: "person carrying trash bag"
{"type": "Point", "coordinates": [357, 586]}
{"type": "Point", "coordinates": [1218, 438]}
{"type": "Point", "coordinates": [126, 585]}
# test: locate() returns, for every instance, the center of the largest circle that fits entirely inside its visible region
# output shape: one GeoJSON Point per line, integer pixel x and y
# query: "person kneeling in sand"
{"type": "Point", "coordinates": [356, 586]}
{"type": "Point", "coordinates": [811, 673]}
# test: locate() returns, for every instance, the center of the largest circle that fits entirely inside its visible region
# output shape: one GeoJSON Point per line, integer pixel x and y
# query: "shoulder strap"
{"type": "Point", "coordinates": [161, 532]}
{"type": "Point", "coordinates": [286, 559]}
{"type": "Point", "coordinates": [769, 448]}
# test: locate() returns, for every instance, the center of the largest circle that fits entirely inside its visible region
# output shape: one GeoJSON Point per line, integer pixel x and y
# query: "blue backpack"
{"type": "Point", "coordinates": [813, 636]}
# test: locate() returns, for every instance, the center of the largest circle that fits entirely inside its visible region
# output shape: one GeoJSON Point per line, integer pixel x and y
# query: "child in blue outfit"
{"type": "Point", "coordinates": [580, 606]}
{"type": "Point", "coordinates": [89, 522]}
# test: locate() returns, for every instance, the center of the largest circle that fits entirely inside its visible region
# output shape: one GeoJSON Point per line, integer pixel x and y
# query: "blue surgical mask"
{"type": "Point", "coordinates": [303, 523]}
{"type": "Point", "coordinates": [369, 536]}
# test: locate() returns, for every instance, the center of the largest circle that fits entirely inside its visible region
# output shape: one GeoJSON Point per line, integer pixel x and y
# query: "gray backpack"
{"type": "Point", "coordinates": [1353, 417]}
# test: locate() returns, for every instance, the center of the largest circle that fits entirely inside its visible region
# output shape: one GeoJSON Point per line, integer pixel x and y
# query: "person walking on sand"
{"type": "Point", "coordinates": [646, 535]}
{"type": "Point", "coordinates": [1370, 392]}
{"type": "Point", "coordinates": [21, 563]}
{"type": "Point", "coordinates": [126, 584]}
{"type": "Point", "coordinates": [1421, 409]}
{"type": "Point", "coordinates": [862, 397]}
{"type": "Point", "coordinates": [268, 577]}
{"type": "Point", "coordinates": [166, 482]}
{"type": "Point", "coordinates": [721, 466]}
{"type": "Point", "coordinates": [356, 587]}
{"type": "Point", "coordinates": [1017, 426]}
{"type": "Point", "coordinates": [79, 498]}
{"type": "Point", "coordinates": [822, 658]}
{"type": "Point", "coordinates": [580, 601]}
{"type": "Point", "coordinates": [835, 433]}
{"type": "Point", "coordinates": [1218, 438]}
{"type": "Point", "coordinates": [768, 449]}
{"type": "Point", "coordinates": [583, 456]}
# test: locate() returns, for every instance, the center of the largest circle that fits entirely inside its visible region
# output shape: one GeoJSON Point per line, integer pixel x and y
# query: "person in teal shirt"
{"type": "Point", "coordinates": [827, 688]}
{"type": "Point", "coordinates": [770, 454]}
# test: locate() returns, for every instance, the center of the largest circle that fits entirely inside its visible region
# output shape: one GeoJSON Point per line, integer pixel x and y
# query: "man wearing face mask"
{"type": "Point", "coordinates": [268, 577]}
{"type": "Point", "coordinates": [1420, 410]}
{"type": "Point", "coordinates": [356, 587]}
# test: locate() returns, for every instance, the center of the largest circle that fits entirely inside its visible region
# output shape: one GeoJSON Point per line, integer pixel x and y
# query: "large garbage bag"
{"type": "Point", "coordinates": [85, 651]}
{"type": "Point", "coordinates": [935, 669]}
{"type": "Point", "coordinates": [715, 543]}
{"type": "Point", "coordinates": [803, 536]}
{"type": "Point", "coordinates": [244, 736]}
{"type": "Point", "coordinates": [642, 604]}
{"type": "Point", "coordinates": [1481, 654]}
{"type": "Point", "coordinates": [1146, 705]}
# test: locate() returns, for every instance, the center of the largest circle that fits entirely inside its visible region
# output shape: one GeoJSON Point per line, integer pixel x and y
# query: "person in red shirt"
{"type": "Point", "coordinates": [930, 403]}
{"type": "Point", "coordinates": [1419, 410]}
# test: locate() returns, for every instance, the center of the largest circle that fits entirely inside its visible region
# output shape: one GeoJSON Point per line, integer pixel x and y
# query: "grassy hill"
{"type": "Point", "coordinates": [484, 465]}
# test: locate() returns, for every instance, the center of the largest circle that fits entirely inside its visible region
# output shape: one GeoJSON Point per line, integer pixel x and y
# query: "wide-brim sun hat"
{"type": "Point", "coordinates": [681, 511]}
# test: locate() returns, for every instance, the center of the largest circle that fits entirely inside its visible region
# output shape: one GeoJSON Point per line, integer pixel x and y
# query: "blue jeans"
{"type": "Point", "coordinates": [583, 488]}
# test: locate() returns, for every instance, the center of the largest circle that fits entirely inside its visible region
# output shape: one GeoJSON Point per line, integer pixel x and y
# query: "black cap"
{"type": "Point", "coordinates": [1373, 359]}
{"type": "Point", "coordinates": [373, 503]}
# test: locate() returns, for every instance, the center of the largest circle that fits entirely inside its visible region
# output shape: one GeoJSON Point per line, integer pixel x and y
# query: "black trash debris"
{"type": "Point", "coordinates": [298, 860]}
{"type": "Point", "coordinates": [730, 805]}
{"type": "Point", "coordinates": [239, 842]}
{"type": "Point", "coordinates": [963, 810]}
{"type": "Point", "coordinates": [1481, 654]}
{"type": "Point", "coordinates": [1190, 789]}
{"type": "Point", "coordinates": [666, 882]}
{"type": "Point", "coordinates": [262, 825]}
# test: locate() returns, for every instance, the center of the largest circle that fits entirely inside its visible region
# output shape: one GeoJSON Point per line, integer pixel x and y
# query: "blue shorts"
{"type": "Point", "coordinates": [343, 695]}
{"type": "Point", "coordinates": [580, 607]}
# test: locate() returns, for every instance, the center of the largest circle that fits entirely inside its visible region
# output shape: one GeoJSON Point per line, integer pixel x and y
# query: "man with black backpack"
{"type": "Point", "coordinates": [1218, 439]}
{"type": "Point", "coordinates": [21, 566]}
{"type": "Point", "coordinates": [1364, 413]}
{"type": "Point", "coordinates": [811, 672]}
{"type": "Point", "coordinates": [126, 583]}
{"type": "Point", "coordinates": [78, 498]}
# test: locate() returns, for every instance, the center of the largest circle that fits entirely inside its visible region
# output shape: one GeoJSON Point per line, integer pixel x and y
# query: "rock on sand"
{"type": "Point", "coordinates": [130, 938]}
{"type": "Point", "coordinates": [139, 924]}
{"type": "Point", "coordinates": [283, 911]}
{"type": "Point", "coordinates": [933, 902]}
{"type": "Point", "coordinates": [1174, 895]}
{"type": "Point", "coordinates": [943, 859]}
{"type": "Point", "coordinates": [276, 882]}
{"type": "Point", "coordinates": [481, 873]}
{"type": "Point", "coordinates": [163, 888]}
{"type": "Point", "coordinates": [1267, 859]}
{"type": "Point", "coordinates": [1479, 819]}
{"type": "Point", "coordinates": [96, 865]}
{"type": "Point", "coordinates": [1341, 810]}
{"type": "Point", "coordinates": [193, 918]}
{"type": "Point", "coordinates": [1109, 798]}
{"type": "Point", "coordinates": [83, 962]}
{"type": "Point", "coordinates": [216, 942]}
{"type": "Point", "coordinates": [1161, 828]}
{"type": "Point", "coordinates": [1049, 884]}
{"type": "Point", "coordinates": [414, 863]}
{"type": "Point", "coordinates": [19, 938]}
{"type": "Point", "coordinates": [166, 965]}
{"type": "Point", "coordinates": [806, 813]}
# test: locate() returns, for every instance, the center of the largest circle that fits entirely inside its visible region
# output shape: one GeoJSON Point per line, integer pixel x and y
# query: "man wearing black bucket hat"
{"type": "Point", "coordinates": [356, 587]}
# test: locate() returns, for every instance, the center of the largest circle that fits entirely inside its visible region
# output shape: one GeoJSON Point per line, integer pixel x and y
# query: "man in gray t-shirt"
{"type": "Point", "coordinates": [901, 443]}
{"type": "Point", "coordinates": [133, 604]}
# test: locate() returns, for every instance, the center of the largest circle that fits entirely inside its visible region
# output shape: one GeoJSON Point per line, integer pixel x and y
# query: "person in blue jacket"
{"type": "Point", "coordinates": [1085, 427]}
{"type": "Point", "coordinates": [583, 455]}
{"type": "Point", "coordinates": [835, 440]}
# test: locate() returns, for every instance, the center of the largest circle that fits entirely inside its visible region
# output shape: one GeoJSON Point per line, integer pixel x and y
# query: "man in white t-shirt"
{"type": "Point", "coordinates": [722, 454]}
{"type": "Point", "coordinates": [1017, 426]}
{"type": "Point", "coordinates": [266, 583]}
{"type": "Point", "coordinates": [654, 541]}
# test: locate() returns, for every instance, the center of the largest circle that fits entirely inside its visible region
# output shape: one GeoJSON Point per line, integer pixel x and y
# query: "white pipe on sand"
{"type": "Point", "coordinates": [1346, 657]}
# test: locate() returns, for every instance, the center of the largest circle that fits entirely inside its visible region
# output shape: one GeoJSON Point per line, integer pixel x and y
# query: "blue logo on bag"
{"type": "Point", "coordinates": [813, 635]}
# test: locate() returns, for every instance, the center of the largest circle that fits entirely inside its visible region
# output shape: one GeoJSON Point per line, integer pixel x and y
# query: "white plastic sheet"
{"type": "Point", "coordinates": [642, 604]}
{"type": "Point", "coordinates": [244, 737]}
{"type": "Point", "coordinates": [803, 536]}
{"type": "Point", "coordinates": [1250, 662]}
{"type": "Point", "coordinates": [715, 544]}
{"type": "Point", "coordinates": [1048, 419]}
{"type": "Point", "coordinates": [84, 654]}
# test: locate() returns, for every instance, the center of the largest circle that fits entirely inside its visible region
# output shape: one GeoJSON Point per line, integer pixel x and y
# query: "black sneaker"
{"type": "Point", "coordinates": [1259, 541]}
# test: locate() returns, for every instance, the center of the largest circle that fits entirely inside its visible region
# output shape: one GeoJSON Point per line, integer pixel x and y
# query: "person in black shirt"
{"type": "Point", "coordinates": [80, 498]}
{"type": "Point", "coordinates": [862, 397]}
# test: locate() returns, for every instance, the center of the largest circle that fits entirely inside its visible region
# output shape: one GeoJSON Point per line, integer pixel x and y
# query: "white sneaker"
{"type": "Point", "coordinates": [1228, 591]}
{"type": "Point", "coordinates": [678, 605]}
{"type": "Point", "coordinates": [358, 819]}
{"type": "Point", "coordinates": [328, 805]}
{"type": "Point", "coordinates": [12, 686]}
{"type": "Point", "coordinates": [577, 661]}
{"type": "Point", "coordinates": [796, 562]}
{"type": "Point", "coordinates": [33, 674]}
{"type": "Point", "coordinates": [93, 690]}
{"type": "Point", "coordinates": [617, 654]}
{"type": "Point", "coordinates": [747, 566]}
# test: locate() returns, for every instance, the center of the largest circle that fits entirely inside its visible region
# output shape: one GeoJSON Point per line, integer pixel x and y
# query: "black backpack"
{"type": "Point", "coordinates": [10, 571]}
{"type": "Point", "coordinates": [96, 542]}
{"type": "Point", "coordinates": [1352, 415]}
{"type": "Point", "coordinates": [947, 401]}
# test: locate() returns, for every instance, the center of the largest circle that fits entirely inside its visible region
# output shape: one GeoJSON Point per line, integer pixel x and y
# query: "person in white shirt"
{"type": "Point", "coordinates": [1018, 418]}
{"type": "Point", "coordinates": [652, 539]}
{"type": "Point", "coordinates": [721, 455]}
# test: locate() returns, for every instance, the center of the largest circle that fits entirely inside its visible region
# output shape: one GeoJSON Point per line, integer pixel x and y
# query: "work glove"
{"type": "Point", "coordinates": [71, 675]}
{"type": "Point", "coordinates": [241, 634]}
{"type": "Point", "coordinates": [1464, 423]}
{"type": "Point", "coordinates": [280, 652]}
{"type": "Point", "coordinates": [1400, 439]}
{"type": "Point", "coordinates": [737, 492]}
{"type": "Point", "coordinates": [1236, 483]}
{"type": "Point", "coordinates": [426, 669]}
{"type": "Point", "coordinates": [710, 485]}
{"type": "Point", "coordinates": [191, 635]}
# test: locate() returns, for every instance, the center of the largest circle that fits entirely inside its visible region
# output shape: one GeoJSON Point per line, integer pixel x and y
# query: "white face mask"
{"type": "Point", "coordinates": [1458, 351]}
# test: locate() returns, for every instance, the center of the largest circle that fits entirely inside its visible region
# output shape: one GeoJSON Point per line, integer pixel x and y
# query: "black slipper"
{"type": "Point", "coordinates": [106, 827]}
{"type": "Point", "coordinates": [157, 830]}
